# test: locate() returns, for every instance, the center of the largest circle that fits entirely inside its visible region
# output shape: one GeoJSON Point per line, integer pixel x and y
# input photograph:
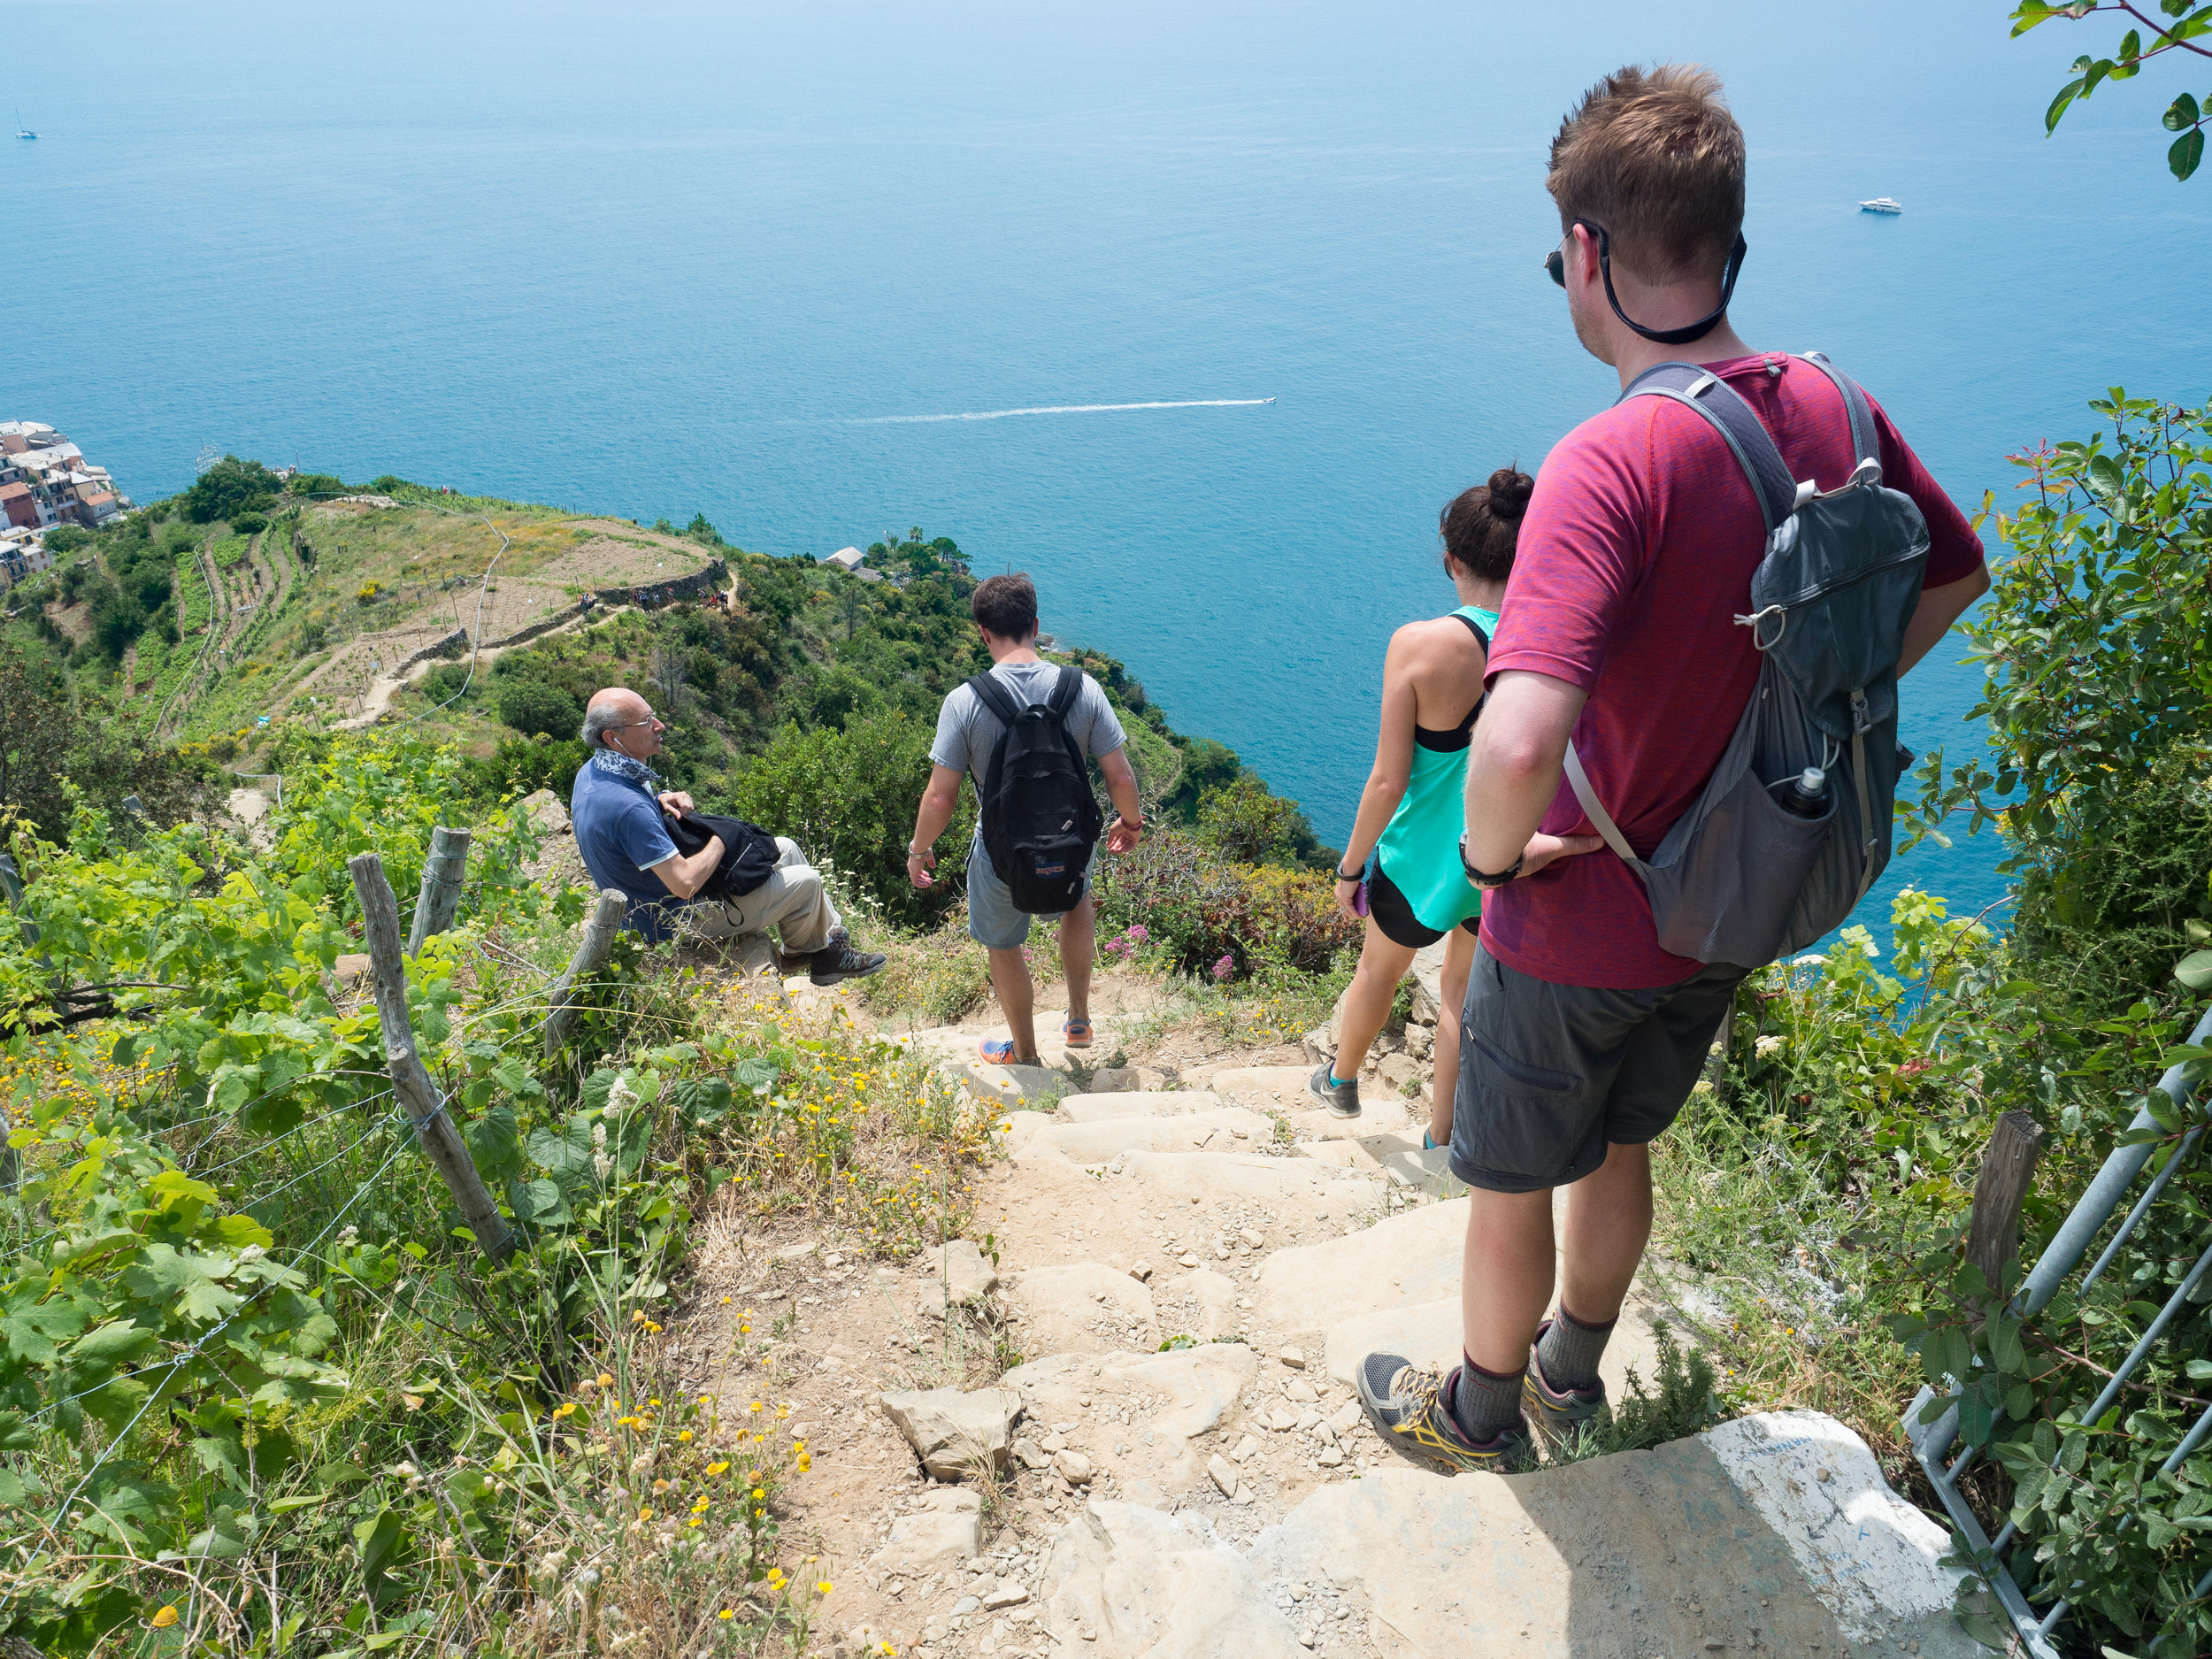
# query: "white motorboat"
{"type": "Point", "coordinates": [1882, 205]}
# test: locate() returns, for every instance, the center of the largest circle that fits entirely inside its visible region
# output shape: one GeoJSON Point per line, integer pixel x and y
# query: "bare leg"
{"type": "Point", "coordinates": [1016, 1000]}
{"type": "Point", "coordinates": [1079, 949]}
{"type": "Point", "coordinates": [1367, 1004]}
{"type": "Point", "coordinates": [1505, 1282]}
{"type": "Point", "coordinates": [1459, 959]}
{"type": "Point", "coordinates": [1609, 1222]}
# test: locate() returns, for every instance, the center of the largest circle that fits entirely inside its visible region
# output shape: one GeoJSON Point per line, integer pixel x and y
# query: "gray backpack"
{"type": "Point", "coordinates": [1738, 879]}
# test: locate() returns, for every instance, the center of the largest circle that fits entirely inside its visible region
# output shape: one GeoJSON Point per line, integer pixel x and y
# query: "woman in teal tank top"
{"type": "Point", "coordinates": [1412, 810]}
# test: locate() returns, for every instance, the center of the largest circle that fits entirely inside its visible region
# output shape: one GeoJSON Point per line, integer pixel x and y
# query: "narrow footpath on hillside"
{"type": "Point", "coordinates": [1118, 1422]}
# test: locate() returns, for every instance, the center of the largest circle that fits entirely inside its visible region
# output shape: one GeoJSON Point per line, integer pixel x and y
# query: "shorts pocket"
{"type": "Point", "coordinates": [1520, 1071]}
{"type": "Point", "coordinates": [1516, 1126]}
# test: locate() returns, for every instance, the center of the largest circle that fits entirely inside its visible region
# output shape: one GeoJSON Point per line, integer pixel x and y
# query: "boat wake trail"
{"type": "Point", "coordinates": [1061, 409]}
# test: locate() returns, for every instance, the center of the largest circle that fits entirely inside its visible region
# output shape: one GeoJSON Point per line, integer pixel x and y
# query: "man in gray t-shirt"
{"type": "Point", "coordinates": [1005, 610]}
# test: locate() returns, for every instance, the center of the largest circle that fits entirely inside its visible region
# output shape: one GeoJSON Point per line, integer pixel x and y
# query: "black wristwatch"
{"type": "Point", "coordinates": [1483, 879]}
{"type": "Point", "coordinates": [1358, 875]}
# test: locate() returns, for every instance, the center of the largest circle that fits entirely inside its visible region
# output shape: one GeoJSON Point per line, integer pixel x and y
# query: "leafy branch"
{"type": "Point", "coordinates": [2185, 116]}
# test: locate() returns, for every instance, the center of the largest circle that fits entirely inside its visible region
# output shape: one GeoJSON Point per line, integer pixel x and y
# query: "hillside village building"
{"type": "Point", "coordinates": [45, 482]}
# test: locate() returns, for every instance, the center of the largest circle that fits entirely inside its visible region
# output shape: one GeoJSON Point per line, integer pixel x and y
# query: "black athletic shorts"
{"type": "Point", "coordinates": [1551, 1075]}
{"type": "Point", "coordinates": [1400, 926]}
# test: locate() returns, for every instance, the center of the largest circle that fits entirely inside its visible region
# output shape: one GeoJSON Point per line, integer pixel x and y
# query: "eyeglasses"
{"type": "Point", "coordinates": [1556, 263]}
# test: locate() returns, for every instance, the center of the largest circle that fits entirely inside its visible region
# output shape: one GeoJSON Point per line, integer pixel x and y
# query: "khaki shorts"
{"type": "Point", "coordinates": [1551, 1075]}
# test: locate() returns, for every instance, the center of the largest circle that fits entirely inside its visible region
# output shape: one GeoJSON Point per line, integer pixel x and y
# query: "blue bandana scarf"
{"type": "Point", "coordinates": [629, 771]}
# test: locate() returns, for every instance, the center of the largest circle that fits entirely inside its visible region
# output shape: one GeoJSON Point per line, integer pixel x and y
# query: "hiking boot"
{"type": "Point", "coordinates": [838, 961]}
{"type": "Point", "coordinates": [1406, 1402]}
{"type": "Point", "coordinates": [1556, 1415]}
{"type": "Point", "coordinates": [1341, 1099]}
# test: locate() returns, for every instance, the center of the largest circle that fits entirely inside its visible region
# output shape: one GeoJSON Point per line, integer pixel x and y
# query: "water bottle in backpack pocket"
{"type": "Point", "coordinates": [1040, 820]}
{"type": "Point", "coordinates": [1745, 876]}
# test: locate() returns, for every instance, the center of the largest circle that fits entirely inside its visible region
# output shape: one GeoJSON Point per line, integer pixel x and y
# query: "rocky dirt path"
{"type": "Point", "coordinates": [1128, 1432]}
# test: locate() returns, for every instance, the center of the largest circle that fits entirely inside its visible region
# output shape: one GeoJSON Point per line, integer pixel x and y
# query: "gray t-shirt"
{"type": "Point", "coordinates": [967, 732]}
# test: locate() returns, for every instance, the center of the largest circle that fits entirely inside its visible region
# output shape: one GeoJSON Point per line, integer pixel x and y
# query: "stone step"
{"type": "Point", "coordinates": [1772, 1534]}
{"type": "Point", "coordinates": [1138, 1103]}
{"type": "Point", "coordinates": [1376, 1118]}
{"type": "Point", "coordinates": [1281, 1087]}
{"type": "Point", "coordinates": [1405, 1259]}
{"type": "Point", "coordinates": [1223, 1129]}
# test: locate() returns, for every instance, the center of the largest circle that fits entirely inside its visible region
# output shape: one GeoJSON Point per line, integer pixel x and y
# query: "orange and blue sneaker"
{"type": "Point", "coordinates": [1410, 1406]}
{"type": "Point", "coordinates": [1557, 1414]}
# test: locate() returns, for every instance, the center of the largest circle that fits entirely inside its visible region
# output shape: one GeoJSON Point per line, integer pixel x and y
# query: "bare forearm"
{"type": "Point", "coordinates": [1939, 609]}
{"type": "Point", "coordinates": [684, 877]}
{"type": "Point", "coordinates": [934, 813]}
{"type": "Point", "coordinates": [1376, 803]}
{"type": "Point", "coordinates": [1514, 765]}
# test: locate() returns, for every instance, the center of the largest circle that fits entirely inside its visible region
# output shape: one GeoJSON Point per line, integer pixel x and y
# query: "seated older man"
{"type": "Point", "coordinates": [618, 809]}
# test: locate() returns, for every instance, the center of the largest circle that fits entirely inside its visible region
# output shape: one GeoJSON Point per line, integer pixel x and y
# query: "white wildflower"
{"type": "Point", "coordinates": [1766, 1045]}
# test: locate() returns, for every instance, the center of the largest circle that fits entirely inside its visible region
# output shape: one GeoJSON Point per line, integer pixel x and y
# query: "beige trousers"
{"type": "Point", "coordinates": [792, 901]}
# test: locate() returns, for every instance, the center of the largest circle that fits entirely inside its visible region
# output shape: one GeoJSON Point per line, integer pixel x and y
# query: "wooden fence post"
{"type": "Point", "coordinates": [435, 1128]}
{"type": "Point", "coordinates": [441, 893]}
{"type": "Point", "coordinates": [598, 940]}
{"type": "Point", "coordinates": [2007, 1167]}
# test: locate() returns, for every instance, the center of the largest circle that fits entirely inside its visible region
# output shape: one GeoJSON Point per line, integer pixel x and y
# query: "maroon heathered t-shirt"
{"type": "Point", "coordinates": [1636, 551]}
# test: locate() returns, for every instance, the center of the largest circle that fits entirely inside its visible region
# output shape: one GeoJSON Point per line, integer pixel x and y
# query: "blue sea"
{"type": "Point", "coordinates": [678, 257]}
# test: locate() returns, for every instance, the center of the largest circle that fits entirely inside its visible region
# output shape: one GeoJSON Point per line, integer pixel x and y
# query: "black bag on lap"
{"type": "Point", "coordinates": [749, 853]}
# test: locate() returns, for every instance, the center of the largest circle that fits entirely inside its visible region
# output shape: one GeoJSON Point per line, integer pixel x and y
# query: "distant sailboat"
{"type": "Point", "coordinates": [22, 131]}
{"type": "Point", "coordinates": [1882, 205]}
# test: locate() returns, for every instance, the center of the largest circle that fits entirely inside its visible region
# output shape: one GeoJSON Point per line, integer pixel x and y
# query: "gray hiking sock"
{"type": "Point", "coordinates": [1569, 1349]}
{"type": "Point", "coordinates": [1484, 1403]}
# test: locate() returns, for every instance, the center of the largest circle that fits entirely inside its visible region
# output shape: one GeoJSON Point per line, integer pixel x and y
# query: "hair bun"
{"type": "Point", "coordinates": [1510, 491]}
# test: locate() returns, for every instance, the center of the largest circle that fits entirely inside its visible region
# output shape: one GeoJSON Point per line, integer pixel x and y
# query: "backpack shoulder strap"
{"type": "Point", "coordinates": [1780, 495]}
{"type": "Point", "coordinates": [1066, 691]}
{"type": "Point", "coordinates": [1594, 810]}
{"type": "Point", "coordinates": [994, 698]}
{"type": "Point", "coordinates": [1866, 448]}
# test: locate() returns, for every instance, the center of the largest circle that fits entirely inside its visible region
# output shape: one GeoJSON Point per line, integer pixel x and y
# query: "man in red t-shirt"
{"type": "Point", "coordinates": [1581, 1038]}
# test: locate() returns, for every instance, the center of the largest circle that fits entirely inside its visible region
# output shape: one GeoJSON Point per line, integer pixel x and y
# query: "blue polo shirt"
{"type": "Point", "coordinates": [620, 834]}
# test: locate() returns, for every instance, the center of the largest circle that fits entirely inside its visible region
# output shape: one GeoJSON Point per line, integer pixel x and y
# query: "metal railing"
{"type": "Point", "coordinates": [1931, 1442]}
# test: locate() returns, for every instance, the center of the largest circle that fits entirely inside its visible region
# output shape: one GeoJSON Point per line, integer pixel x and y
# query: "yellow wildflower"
{"type": "Point", "coordinates": [163, 1619]}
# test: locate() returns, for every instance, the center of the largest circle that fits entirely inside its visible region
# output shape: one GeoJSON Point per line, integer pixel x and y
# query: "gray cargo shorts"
{"type": "Point", "coordinates": [1551, 1075]}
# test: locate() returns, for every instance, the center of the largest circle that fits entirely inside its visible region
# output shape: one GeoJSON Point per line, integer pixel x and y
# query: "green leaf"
{"type": "Point", "coordinates": [2182, 112]}
{"type": "Point", "coordinates": [2181, 160]}
{"type": "Point", "coordinates": [2046, 1438]}
{"type": "Point", "coordinates": [112, 1344]}
{"type": "Point", "coordinates": [562, 1153]}
{"type": "Point", "coordinates": [2195, 968]}
{"type": "Point", "coordinates": [306, 1500]}
{"type": "Point", "coordinates": [495, 1142]}
{"type": "Point", "coordinates": [2058, 105]}
{"type": "Point", "coordinates": [2005, 1347]}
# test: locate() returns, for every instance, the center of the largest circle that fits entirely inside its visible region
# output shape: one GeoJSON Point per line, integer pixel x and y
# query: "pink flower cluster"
{"type": "Point", "coordinates": [1128, 942]}
{"type": "Point", "coordinates": [1227, 966]}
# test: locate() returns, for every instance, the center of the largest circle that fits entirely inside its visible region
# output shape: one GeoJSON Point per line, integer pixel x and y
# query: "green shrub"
{"type": "Point", "coordinates": [1204, 910]}
{"type": "Point", "coordinates": [532, 706]}
{"type": "Point", "coordinates": [249, 524]}
{"type": "Point", "coordinates": [229, 487]}
{"type": "Point", "coordinates": [850, 796]}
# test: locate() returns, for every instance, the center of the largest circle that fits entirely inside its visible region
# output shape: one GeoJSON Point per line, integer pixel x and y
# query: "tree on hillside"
{"type": "Point", "coordinates": [49, 744]}
{"type": "Point", "coordinates": [2185, 116]}
{"type": "Point", "coordinates": [229, 487]}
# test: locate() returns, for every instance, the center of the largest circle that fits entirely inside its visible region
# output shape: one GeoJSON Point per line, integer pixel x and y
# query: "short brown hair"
{"type": "Point", "coordinates": [1006, 606]}
{"type": "Point", "coordinates": [1654, 156]}
{"type": "Point", "coordinates": [1480, 526]}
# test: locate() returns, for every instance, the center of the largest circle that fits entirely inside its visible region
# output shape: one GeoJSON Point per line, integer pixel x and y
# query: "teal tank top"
{"type": "Point", "coordinates": [1420, 845]}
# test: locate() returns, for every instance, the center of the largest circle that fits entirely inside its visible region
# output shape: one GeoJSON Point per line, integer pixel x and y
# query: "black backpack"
{"type": "Point", "coordinates": [1039, 818]}
{"type": "Point", "coordinates": [748, 854]}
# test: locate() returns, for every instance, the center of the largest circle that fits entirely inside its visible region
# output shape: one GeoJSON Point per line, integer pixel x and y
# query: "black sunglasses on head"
{"type": "Point", "coordinates": [1556, 263]}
